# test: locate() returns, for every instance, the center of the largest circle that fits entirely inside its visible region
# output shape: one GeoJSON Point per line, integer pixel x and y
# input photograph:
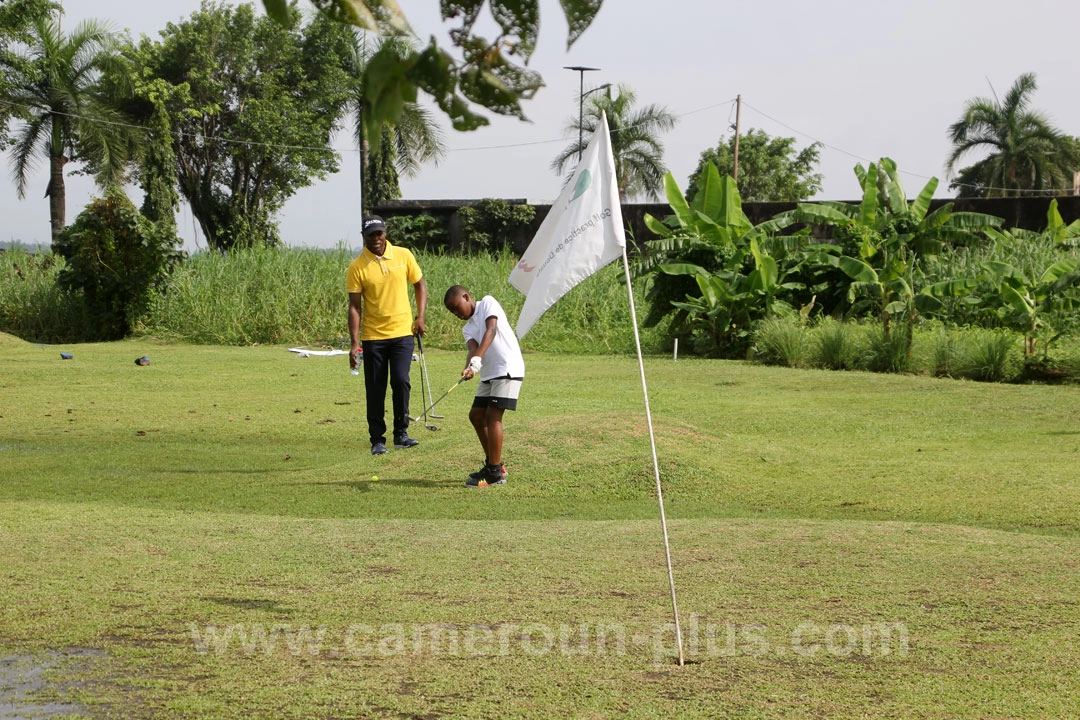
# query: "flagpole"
{"type": "Point", "coordinates": [656, 462]}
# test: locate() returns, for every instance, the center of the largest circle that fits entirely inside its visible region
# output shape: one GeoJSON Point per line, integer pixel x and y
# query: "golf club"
{"type": "Point", "coordinates": [425, 374]}
{"type": "Point", "coordinates": [423, 377]}
{"type": "Point", "coordinates": [439, 400]}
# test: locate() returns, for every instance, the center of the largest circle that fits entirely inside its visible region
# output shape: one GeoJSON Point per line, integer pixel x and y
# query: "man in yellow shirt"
{"type": "Point", "coordinates": [378, 284]}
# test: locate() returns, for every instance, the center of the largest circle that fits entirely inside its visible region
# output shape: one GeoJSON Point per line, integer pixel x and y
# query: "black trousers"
{"type": "Point", "coordinates": [387, 358]}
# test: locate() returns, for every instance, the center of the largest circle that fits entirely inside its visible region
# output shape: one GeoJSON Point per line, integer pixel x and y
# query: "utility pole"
{"type": "Point", "coordinates": [738, 119]}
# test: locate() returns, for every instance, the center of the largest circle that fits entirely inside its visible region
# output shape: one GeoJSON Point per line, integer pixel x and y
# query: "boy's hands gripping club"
{"type": "Point", "coordinates": [473, 368]}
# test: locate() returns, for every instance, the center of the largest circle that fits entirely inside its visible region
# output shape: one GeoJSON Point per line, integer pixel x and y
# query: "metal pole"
{"type": "Point", "coordinates": [581, 70]}
{"type": "Point", "coordinates": [738, 117]}
{"type": "Point", "coordinates": [581, 117]}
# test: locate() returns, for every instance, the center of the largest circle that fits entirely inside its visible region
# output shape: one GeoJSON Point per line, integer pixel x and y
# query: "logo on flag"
{"type": "Point", "coordinates": [582, 233]}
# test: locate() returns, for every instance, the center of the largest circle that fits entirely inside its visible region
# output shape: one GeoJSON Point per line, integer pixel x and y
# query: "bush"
{"type": "Point", "coordinates": [782, 341]}
{"type": "Point", "coordinates": [255, 296]}
{"type": "Point", "coordinates": [835, 344]}
{"type": "Point", "coordinates": [494, 224]}
{"type": "Point", "coordinates": [990, 356]}
{"type": "Point", "coordinates": [944, 352]}
{"type": "Point", "coordinates": [418, 232]}
{"type": "Point", "coordinates": [886, 353]}
{"type": "Point", "coordinates": [116, 258]}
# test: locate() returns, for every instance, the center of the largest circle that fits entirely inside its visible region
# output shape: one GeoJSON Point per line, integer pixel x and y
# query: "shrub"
{"type": "Point", "coordinates": [256, 295]}
{"type": "Point", "coordinates": [494, 224]}
{"type": "Point", "coordinates": [834, 344]}
{"type": "Point", "coordinates": [116, 258]}
{"type": "Point", "coordinates": [782, 341]}
{"type": "Point", "coordinates": [944, 352]}
{"type": "Point", "coordinates": [420, 232]}
{"type": "Point", "coordinates": [990, 356]}
{"type": "Point", "coordinates": [886, 353]}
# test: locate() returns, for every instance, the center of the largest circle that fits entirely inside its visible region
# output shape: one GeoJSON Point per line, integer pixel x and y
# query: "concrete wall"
{"type": "Point", "coordinates": [1028, 213]}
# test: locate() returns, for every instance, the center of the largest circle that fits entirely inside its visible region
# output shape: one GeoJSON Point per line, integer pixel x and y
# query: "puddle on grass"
{"type": "Point", "coordinates": [23, 679]}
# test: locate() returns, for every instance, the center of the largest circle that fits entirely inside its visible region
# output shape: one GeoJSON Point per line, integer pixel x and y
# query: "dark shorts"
{"type": "Point", "coordinates": [498, 393]}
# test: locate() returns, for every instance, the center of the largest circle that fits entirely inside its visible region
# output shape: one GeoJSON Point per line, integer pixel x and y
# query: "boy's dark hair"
{"type": "Point", "coordinates": [454, 291]}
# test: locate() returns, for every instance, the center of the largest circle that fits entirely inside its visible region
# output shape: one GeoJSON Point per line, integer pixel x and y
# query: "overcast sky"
{"type": "Point", "coordinates": [867, 79]}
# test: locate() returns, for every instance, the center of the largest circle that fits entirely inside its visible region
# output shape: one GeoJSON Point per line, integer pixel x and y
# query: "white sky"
{"type": "Point", "coordinates": [868, 79]}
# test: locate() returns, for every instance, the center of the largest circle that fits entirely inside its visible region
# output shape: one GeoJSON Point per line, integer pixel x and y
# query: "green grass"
{"type": "Point", "coordinates": [226, 489]}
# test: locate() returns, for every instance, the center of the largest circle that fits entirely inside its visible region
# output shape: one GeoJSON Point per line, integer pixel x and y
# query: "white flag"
{"type": "Point", "coordinates": [582, 233]}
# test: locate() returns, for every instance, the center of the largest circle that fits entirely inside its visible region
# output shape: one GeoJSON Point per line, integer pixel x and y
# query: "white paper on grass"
{"type": "Point", "coordinates": [582, 233]}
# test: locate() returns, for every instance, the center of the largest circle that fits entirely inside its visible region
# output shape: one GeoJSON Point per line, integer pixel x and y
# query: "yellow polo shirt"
{"type": "Point", "coordinates": [383, 283]}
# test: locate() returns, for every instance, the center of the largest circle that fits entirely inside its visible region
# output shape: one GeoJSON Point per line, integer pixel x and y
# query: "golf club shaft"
{"type": "Point", "coordinates": [428, 409]}
{"type": "Point", "coordinates": [423, 367]}
{"type": "Point", "coordinates": [423, 377]}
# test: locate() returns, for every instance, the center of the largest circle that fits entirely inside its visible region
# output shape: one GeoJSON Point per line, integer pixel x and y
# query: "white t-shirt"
{"type": "Point", "coordinates": [503, 357]}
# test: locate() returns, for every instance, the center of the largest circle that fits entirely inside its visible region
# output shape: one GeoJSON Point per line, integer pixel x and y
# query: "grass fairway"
{"type": "Point", "coordinates": [201, 537]}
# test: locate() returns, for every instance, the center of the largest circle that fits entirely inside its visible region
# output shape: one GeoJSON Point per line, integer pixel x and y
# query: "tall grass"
{"type": "Point", "coordinates": [296, 296]}
{"type": "Point", "coordinates": [782, 341]}
{"type": "Point", "coordinates": [32, 304]}
{"type": "Point", "coordinates": [255, 295]}
{"type": "Point", "coordinates": [835, 344]}
{"type": "Point", "coordinates": [990, 356]}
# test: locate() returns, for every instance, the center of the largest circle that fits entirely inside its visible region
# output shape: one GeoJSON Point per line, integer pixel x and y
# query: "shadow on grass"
{"type": "Point", "coordinates": [366, 485]}
{"type": "Point", "coordinates": [250, 604]}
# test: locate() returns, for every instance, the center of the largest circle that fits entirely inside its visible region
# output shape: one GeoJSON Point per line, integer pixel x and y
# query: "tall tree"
{"type": "Point", "coordinates": [1025, 153]}
{"type": "Point", "coordinates": [15, 20]}
{"type": "Point", "coordinates": [770, 169]}
{"type": "Point", "coordinates": [52, 82]}
{"type": "Point", "coordinates": [635, 140]}
{"type": "Point", "coordinates": [253, 105]}
{"type": "Point", "coordinates": [403, 146]}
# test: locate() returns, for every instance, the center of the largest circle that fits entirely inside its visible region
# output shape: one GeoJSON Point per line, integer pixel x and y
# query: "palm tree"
{"type": "Point", "coordinates": [53, 82]}
{"type": "Point", "coordinates": [402, 147]}
{"type": "Point", "coordinates": [639, 155]}
{"type": "Point", "coordinates": [1025, 152]}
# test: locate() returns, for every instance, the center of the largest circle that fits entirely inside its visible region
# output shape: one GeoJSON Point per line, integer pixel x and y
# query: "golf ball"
{"type": "Point", "coordinates": [374, 478]}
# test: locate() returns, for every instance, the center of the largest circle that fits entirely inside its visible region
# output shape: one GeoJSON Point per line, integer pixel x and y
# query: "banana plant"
{"type": "Point", "coordinates": [1028, 303]}
{"type": "Point", "coordinates": [887, 238]}
{"type": "Point", "coordinates": [731, 261]}
{"type": "Point", "coordinates": [731, 301]}
{"type": "Point", "coordinates": [721, 309]}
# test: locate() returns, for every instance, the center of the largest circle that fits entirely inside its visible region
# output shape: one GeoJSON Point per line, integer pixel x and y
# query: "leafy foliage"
{"type": "Point", "coordinates": [769, 168]}
{"type": "Point", "coordinates": [252, 105]}
{"type": "Point", "coordinates": [886, 238]}
{"type": "Point", "coordinates": [16, 17]}
{"type": "Point", "coordinates": [117, 258]}
{"type": "Point", "coordinates": [418, 231]}
{"type": "Point", "coordinates": [492, 223]}
{"type": "Point", "coordinates": [401, 147]}
{"type": "Point", "coordinates": [484, 75]}
{"type": "Point", "coordinates": [743, 281]}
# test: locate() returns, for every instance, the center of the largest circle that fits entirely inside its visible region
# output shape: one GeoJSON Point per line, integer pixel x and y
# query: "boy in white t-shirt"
{"type": "Point", "coordinates": [495, 355]}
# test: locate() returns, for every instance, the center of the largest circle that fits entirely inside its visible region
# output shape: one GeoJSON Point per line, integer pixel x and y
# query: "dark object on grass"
{"type": "Point", "coordinates": [66, 356]}
{"type": "Point", "coordinates": [142, 360]}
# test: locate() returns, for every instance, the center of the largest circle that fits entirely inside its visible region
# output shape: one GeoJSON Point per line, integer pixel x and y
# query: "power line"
{"type": "Point", "coordinates": [1021, 191]}
{"type": "Point", "coordinates": [729, 103]}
